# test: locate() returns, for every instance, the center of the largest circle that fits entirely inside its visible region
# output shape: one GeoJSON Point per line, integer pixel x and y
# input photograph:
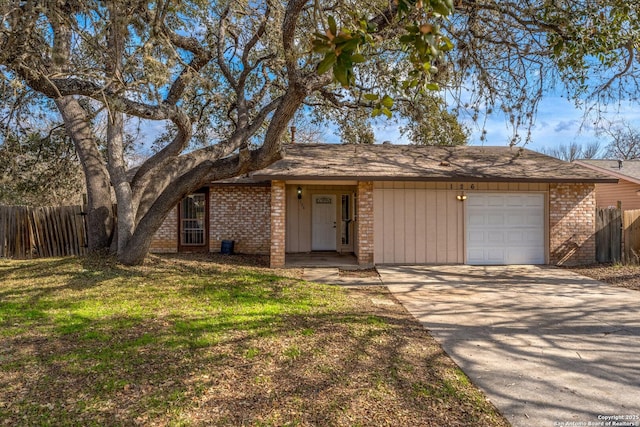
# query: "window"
{"type": "Point", "coordinates": [346, 219]}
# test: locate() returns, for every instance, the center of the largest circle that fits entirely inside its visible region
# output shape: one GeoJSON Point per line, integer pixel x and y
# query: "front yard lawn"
{"type": "Point", "coordinates": [197, 342]}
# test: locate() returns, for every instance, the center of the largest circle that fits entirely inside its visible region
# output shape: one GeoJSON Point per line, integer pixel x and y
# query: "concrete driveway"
{"type": "Point", "coordinates": [547, 346]}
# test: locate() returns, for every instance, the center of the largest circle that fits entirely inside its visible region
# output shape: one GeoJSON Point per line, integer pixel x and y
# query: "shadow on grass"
{"type": "Point", "coordinates": [174, 342]}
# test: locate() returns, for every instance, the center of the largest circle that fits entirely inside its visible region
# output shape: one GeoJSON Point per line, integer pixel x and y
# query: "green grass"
{"type": "Point", "coordinates": [179, 341]}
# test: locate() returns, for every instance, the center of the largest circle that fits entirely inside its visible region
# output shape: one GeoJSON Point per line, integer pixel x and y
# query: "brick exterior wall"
{"type": "Point", "coordinates": [241, 214]}
{"type": "Point", "coordinates": [278, 225]}
{"type": "Point", "coordinates": [364, 223]}
{"type": "Point", "coordinates": [572, 224]}
{"type": "Point", "coordinates": [166, 238]}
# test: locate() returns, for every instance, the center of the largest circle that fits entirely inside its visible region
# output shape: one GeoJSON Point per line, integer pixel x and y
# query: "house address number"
{"type": "Point", "coordinates": [462, 186]}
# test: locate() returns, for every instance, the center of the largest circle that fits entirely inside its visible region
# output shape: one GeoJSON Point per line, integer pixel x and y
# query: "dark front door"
{"type": "Point", "coordinates": [193, 219]}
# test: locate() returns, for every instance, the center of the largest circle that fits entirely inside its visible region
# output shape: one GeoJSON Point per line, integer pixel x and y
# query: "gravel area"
{"type": "Point", "coordinates": [623, 276]}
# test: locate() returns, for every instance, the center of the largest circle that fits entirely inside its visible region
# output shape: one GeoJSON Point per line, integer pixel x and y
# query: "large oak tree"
{"type": "Point", "coordinates": [226, 77]}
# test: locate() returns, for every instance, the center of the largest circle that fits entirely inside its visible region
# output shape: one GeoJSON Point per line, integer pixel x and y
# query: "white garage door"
{"type": "Point", "coordinates": [505, 228]}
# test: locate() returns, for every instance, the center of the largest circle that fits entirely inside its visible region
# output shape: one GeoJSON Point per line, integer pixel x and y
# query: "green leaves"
{"type": "Point", "coordinates": [387, 101]}
{"type": "Point", "coordinates": [380, 105]}
{"type": "Point", "coordinates": [333, 28]}
{"type": "Point", "coordinates": [326, 63]}
{"type": "Point", "coordinates": [341, 49]}
{"type": "Point", "coordinates": [349, 42]}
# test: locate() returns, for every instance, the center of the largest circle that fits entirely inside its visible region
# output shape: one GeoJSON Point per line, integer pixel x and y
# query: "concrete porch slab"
{"type": "Point", "coordinates": [321, 259]}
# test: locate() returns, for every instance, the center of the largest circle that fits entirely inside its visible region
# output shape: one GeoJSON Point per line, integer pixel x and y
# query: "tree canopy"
{"type": "Point", "coordinates": [227, 77]}
{"type": "Point", "coordinates": [574, 151]}
{"type": "Point", "coordinates": [40, 170]}
{"type": "Point", "coordinates": [624, 141]}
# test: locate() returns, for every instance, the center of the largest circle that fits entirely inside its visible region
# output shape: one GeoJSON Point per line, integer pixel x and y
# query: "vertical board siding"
{"type": "Point", "coordinates": [442, 217]}
{"type": "Point", "coordinates": [388, 249]}
{"type": "Point", "coordinates": [378, 223]}
{"type": "Point", "coordinates": [410, 225]}
{"type": "Point", "coordinates": [398, 225]}
{"type": "Point", "coordinates": [431, 221]}
{"type": "Point", "coordinates": [418, 226]}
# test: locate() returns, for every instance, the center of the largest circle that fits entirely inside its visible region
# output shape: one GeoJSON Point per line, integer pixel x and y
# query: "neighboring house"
{"type": "Point", "coordinates": [626, 191]}
{"type": "Point", "coordinates": [398, 204]}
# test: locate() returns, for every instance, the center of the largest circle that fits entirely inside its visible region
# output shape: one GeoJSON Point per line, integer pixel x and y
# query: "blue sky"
{"type": "Point", "coordinates": [558, 122]}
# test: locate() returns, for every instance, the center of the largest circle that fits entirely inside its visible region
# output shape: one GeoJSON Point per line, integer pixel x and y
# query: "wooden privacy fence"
{"type": "Point", "coordinates": [608, 234]}
{"type": "Point", "coordinates": [617, 235]}
{"type": "Point", "coordinates": [631, 237]}
{"type": "Point", "coordinates": [27, 232]}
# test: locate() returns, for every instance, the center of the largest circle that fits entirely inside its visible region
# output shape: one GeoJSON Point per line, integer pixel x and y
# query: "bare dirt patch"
{"type": "Point", "coordinates": [362, 272]}
{"type": "Point", "coordinates": [623, 276]}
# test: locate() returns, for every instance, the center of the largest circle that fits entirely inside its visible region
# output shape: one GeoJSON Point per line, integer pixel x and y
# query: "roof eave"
{"type": "Point", "coordinates": [284, 177]}
{"type": "Point", "coordinates": [608, 172]}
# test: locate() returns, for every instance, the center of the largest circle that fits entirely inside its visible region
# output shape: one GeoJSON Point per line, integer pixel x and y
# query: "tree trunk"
{"type": "Point", "coordinates": [99, 204]}
{"type": "Point", "coordinates": [117, 170]}
{"type": "Point", "coordinates": [79, 128]}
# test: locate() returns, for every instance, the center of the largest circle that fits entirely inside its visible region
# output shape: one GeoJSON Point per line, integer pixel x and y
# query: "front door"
{"type": "Point", "coordinates": [192, 220]}
{"type": "Point", "coordinates": [323, 222]}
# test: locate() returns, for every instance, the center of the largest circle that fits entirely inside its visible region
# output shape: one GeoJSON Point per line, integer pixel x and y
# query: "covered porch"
{"type": "Point", "coordinates": [321, 223]}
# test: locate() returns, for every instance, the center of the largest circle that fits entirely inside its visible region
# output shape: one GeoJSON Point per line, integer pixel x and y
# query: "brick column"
{"type": "Point", "coordinates": [572, 224]}
{"type": "Point", "coordinates": [165, 240]}
{"type": "Point", "coordinates": [364, 223]}
{"type": "Point", "coordinates": [278, 224]}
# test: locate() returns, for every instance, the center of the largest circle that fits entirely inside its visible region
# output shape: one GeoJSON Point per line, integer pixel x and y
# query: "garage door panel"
{"type": "Point", "coordinates": [475, 255]}
{"type": "Point", "coordinates": [505, 228]}
{"type": "Point", "coordinates": [525, 255]}
{"type": "Point", "coordinates": [515, 237]}
{"type": "Point", "coordinates": [495, 200]}
{"type": "Point", "coordinates": [494, 219]}
{"type": "Point", "coordinates": [532, 200]}
{"type": "Point", "coordinates": [514, 219]}
{"type": "Point", "coordinates": [535, 220]}
{"type": "Point", "coordinates": [495, 254]}
{"type": "Point", "coordinates": [495, 236]}
{"type": "Point", "coordinates": [476, 202]}
{"type": "Point", "coordinates": [513, 201]}
{"type": "Point", "coordinates": [533, 236]}
{"type": "Point", "coordinates": [477, 220]}
{"type": "Point", "coordinates": [476, 236]}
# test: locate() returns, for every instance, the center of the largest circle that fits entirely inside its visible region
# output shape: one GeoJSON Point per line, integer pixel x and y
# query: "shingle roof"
{"type": "Point", "coordinates": [630, 169]}
{"type": "Point", "coordinates": [425, 163]}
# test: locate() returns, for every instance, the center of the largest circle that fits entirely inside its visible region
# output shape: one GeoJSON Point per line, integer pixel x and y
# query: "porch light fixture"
{"type": "Point", "coordinates": [299, 193]}
{"type": "Point", "coordinates": [461, 197]}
